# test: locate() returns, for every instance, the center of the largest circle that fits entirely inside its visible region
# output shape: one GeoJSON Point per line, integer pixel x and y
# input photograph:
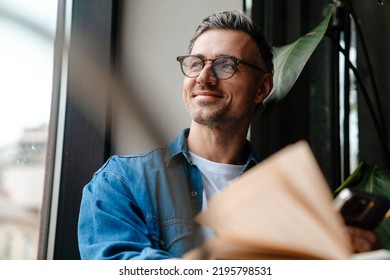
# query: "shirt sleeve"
{"type": "Point", "coordinates": [111, 225]}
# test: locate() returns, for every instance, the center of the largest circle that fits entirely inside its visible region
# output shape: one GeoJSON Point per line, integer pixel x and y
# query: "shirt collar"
{"type": "Point", "coordinates": [179, 146]}
{"type": "Point", "coordinates": [251, 158]}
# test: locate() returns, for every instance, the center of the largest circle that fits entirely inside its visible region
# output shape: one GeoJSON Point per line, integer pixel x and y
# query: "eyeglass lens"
{"type": "Point", "coordinates": [223, 67]}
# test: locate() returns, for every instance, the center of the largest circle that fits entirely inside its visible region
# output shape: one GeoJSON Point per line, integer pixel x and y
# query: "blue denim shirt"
{"type": "Point", "coordinates": [143, 206]}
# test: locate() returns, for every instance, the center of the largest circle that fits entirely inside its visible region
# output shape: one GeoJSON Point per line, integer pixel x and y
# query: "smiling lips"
{"type": "Point", "coordinates": [207, 93]}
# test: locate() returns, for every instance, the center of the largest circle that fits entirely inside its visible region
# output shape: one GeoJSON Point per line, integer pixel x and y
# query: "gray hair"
{"type": "Point", "coordinates": [238, 21]}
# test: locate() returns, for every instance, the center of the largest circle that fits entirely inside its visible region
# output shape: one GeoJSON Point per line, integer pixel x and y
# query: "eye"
{"type": "Point", "coordinates": [195, 64]}
{"type": "Point", "coordinates": [225, 64]}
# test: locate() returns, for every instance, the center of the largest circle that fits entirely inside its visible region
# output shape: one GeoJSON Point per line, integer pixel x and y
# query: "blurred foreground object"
{"type": "Point", "coordinates": [280, 209]}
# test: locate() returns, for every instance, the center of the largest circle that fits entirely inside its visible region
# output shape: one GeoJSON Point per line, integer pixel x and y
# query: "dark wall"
{"type": "Point", "coordinates": [375, 24]}
{"type": "Point", "coordinates": [311, 109]}
{"type": "Point", "coordinates": [306, 113]}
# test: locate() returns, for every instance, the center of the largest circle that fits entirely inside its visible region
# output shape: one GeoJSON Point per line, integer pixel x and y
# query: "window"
{"type": "Point", "coordinates": [349, 130]}
{"type": "Point", "coordinates": [27, 31]}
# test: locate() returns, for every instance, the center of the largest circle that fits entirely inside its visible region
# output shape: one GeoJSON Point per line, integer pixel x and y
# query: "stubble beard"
{"type": "Point", "coordinates": [213, 115]}
{"type": "Point", "coordinates": [210, 115]}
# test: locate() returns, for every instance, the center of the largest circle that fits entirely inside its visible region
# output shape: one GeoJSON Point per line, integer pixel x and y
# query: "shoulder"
{"type": "Point", "coordinates": [126, 163]}
{"type": "Point", "coordinates": [122, 173]}
{"type": "Point", "coordinates": [131, 166]}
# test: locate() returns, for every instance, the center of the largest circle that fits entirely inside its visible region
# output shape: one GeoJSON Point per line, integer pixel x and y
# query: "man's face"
{"type": "Point", "coordinates": [218, 103]}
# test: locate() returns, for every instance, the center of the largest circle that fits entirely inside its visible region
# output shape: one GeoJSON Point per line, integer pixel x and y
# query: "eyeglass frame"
{"type": "Point", "coordinates": [236, 61]}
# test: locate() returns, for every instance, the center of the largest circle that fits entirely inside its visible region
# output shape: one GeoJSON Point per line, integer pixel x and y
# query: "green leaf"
{"type": "Point", "coordinates": [289, 60]}
{"type": "Point", "coordinates": [372, 179]}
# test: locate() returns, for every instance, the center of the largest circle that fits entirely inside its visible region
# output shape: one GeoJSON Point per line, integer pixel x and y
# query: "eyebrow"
{"type": "Point", "coordinates": [202, 56]}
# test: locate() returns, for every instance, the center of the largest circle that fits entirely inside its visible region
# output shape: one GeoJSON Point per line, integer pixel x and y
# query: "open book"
{"type": "Point", "coordinates": [279, 209]}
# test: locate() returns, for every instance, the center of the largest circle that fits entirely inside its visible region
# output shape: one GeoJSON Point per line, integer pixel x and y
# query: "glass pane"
{"type": "Point", "coordinates": [27, 30]}
{"type": "Point", "coordinates": [352, 116]}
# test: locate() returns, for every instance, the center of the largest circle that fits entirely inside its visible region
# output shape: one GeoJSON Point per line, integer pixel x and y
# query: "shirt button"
{"type": "Point", "coordinates": [194, 194]}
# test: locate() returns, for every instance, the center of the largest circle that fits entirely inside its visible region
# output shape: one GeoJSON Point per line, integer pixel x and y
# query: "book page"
{"type": "Point", "coordinates": [281, 205]}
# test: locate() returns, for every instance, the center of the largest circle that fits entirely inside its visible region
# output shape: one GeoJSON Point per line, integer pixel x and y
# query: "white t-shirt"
{"type": "Point", "coordinates": [215, 176]}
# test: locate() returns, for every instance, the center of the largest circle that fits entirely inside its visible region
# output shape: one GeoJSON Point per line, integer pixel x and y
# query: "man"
{"type": "Point", "coordinates": [143, 206]}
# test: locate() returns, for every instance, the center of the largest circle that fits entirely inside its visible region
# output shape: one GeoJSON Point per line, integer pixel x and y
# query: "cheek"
{"type": "Point", "coordinates": [244, 91]}
{"type": "Point", "coordinates": [188, 84]}
{"type": "Point", "coordinates": [187, 87]}
{"type": "Point", "coordinates": [247, 97]}
{"type": "Point", "coordinates": [254, 92]}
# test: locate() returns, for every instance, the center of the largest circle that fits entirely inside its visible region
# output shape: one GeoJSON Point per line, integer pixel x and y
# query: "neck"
{"type": "Point", "coordinates": [218, 145]}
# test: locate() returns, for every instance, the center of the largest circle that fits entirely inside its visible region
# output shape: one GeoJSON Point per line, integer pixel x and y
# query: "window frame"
{"type": "Point", "coordinates": [79, 130]}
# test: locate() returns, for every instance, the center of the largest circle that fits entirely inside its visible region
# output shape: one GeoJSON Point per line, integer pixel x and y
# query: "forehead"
{"type": "Point", "coordinates": [217, 42]}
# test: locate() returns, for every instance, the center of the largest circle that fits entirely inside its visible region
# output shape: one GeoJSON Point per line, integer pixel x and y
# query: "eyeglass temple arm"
{"type": "Point", "coordinates": [251, 65]}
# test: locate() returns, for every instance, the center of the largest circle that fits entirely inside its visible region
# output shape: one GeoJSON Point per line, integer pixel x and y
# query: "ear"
{"type": "Point", "coordinates": [265, 86]}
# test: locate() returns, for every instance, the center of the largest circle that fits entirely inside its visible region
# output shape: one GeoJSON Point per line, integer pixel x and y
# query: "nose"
{"type": "Point", "coordinates": [206, 76]}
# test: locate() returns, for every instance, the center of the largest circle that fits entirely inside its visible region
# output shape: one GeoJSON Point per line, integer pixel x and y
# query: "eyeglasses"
{"type": "Point", "coordinates": [223, 66]}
